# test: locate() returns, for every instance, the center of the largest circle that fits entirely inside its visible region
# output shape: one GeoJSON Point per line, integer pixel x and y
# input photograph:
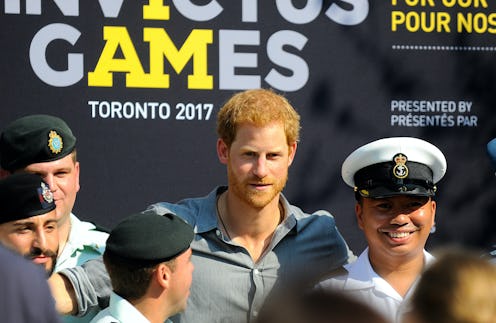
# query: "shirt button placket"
{"type": "Point", "coordinates": [258, 297]}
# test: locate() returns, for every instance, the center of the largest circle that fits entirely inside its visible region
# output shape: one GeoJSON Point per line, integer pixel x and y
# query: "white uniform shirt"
{"type": "Point", "coordinates": [364, 284]}
{"type": "Point", "coordinates": [84, 243]}
{"type": "Point", "coordinates": [120, 311]}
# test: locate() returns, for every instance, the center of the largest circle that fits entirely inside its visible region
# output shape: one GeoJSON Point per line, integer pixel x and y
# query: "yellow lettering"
{"type": "Point", "coordinates": [492, 23]}
{"type": "Point", "coordinates": [397, 18]}
{"type": "Point", "coordinates": [194, 47]}
{"type": "Point", "coordinates": [464, 23]}
{"type": "Point", "coordinates": [116, 37]}
{"type": "Point", "coordinates": [421, 21]}
{"type": "Point", "coordinates": [443, 20]}
{"type": "Point", "coordinates": [155, 10]}
{"type": "Point", "coordinates": [479, 23]}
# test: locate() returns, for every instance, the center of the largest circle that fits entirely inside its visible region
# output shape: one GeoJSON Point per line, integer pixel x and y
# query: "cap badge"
{"type": "Point", "coordinates": [400, 170]}
{"type": "Point", "coordinates": [55, 142]}
{"type": "Point", "coordinates": [46, 194]}
{"type": "Point", "coordinates": [364, 193]}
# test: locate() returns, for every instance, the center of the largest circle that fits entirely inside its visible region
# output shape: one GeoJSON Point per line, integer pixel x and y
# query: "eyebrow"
{"type": "Point", "coordinates": [21, 223]}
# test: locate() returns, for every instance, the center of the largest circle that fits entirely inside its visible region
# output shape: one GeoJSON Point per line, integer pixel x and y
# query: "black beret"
{"type": "Point", "coordinates": [149, 238]}
{"type": "Point", "coordinates": [24, 195]}
{"type": "Point", "coordinates": [35, 139]}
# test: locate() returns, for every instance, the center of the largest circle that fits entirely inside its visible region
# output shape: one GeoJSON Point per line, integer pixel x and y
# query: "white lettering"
{"type": "Point", "coordinates": [196, 12]}
{"type": "Point", "coordinates": [351, 17]}
{"type": "Point", "coordinates": [231, 60]}
{"type": "Point", "coordinates": [37, 56]}
{"type": "Point", "coordinates": [299, 68]}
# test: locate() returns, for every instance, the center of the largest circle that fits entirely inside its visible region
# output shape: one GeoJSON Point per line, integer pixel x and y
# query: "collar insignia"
{"type": "Point", "coordinates": [55, 142]}
{"type": "Point", "coordinates": [400, 170]}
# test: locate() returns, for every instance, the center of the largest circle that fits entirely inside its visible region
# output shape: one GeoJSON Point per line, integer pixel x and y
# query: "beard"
{"type": "Point", "coordinates": [253, 197]}
{"type": "Point", "coordinates": [34, 252]}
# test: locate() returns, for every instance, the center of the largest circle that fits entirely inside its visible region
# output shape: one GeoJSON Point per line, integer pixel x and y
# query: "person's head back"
{"type": "Point", "coordinates": [28, 224]}
{"type": "Point", "coordinates": [44, 145]}
{"type": "Point", "coordinates": [258, 107]}
{"type": "Point", "coordinates": [394, 180]}
{"type": "Point", "coordinates": [459, 287]}
{"type": "Point", "coordinates": [147, 251]}
{"type": "Point", "coordinates": [316, 306]}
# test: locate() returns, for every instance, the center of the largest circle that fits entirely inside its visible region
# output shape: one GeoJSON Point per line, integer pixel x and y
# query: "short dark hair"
{"type": "Point", "coordinates": [131, 281]}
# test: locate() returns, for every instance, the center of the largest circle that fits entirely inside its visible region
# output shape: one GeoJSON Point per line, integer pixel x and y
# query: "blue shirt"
{"type": "Point", "coordinates": [228, 286]}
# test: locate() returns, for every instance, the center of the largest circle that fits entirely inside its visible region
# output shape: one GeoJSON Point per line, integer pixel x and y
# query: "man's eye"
{"type": "Point", "coordinates": [50, 228]}
{"type": "Point", "coordinates": [415, 204]}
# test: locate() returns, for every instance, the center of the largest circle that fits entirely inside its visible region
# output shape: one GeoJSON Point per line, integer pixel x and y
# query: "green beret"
{"type": "Point", "coordinates": [35, 139]}
{"type": "Point", "coordinates": [149, 238]}
{"type": "Point", "coordinates": [24, 195]}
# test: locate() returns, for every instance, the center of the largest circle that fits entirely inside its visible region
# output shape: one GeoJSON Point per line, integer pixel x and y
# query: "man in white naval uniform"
{"type": "Point", "coordinates": [394, 181]}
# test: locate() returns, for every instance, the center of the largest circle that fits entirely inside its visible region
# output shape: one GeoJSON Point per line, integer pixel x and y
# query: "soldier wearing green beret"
{"type": "Point", "coordinates": [148, 258]}
{"type": "Point", "coordinates": [28, 222]}
{"type": "Point", "coordinates": [45, 145]}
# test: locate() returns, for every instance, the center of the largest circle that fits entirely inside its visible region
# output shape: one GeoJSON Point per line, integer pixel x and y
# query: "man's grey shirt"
{"type": "Point", "coordinates": [228, 287]}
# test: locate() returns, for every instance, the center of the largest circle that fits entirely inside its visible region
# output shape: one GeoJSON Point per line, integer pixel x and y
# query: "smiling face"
{"type": "Point", "coordinates": [36, 238]}
{"type": "Point", "coordinates": [62, 176]}
{"type": "Point", "coordinates": [396, 227]}
{"type": "Point", "coordinates": [257, 163]}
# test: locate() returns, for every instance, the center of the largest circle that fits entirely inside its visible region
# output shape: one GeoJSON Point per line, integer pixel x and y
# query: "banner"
{"type": "Point", "coordinates": [140, 83]}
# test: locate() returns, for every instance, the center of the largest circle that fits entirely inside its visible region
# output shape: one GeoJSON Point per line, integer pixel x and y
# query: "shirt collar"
{"type": "Point", "coordinates": [207, 220]}
{"type": "Point", "coordinates": [361, 275]}
{"type": "Point", "coordinates": [77, 239]}
{"type": "Point", "coordinates": [124, 311]}
{"type": "Point", "coordinates": [207, 214]}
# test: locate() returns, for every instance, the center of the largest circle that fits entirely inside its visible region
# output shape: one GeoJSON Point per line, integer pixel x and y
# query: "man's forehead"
{"type": "Point", "coordinates": [36, 220]}
{"type": "Point", "coordinates": [65, 162]}
{"type": "Point", "coordinates": [399, 198]}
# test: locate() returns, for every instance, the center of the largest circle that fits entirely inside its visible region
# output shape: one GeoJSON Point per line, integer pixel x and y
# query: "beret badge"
{"type": "Point", "coordinates": [400, 170]}
{"type": "Point", "coordinates": [55, 142]}
{"type": "Point", "coordinates": [46, 194]}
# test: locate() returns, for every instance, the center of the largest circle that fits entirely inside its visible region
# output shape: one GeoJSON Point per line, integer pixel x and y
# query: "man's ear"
{"type": "Point", "coordinates": [292, 152]}
{"type": "Point", "coordinates": [222, 151]}
{"type": "Point", "coordinates": [433, 205]}
{"type": "Point", "coordinates": [359, 215]}
{"type": "Point", "coordinates": [163, 275]}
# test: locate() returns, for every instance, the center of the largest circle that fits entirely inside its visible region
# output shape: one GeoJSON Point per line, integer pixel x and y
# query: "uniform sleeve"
{"type": "Point", "coordinates": [91, 285]}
